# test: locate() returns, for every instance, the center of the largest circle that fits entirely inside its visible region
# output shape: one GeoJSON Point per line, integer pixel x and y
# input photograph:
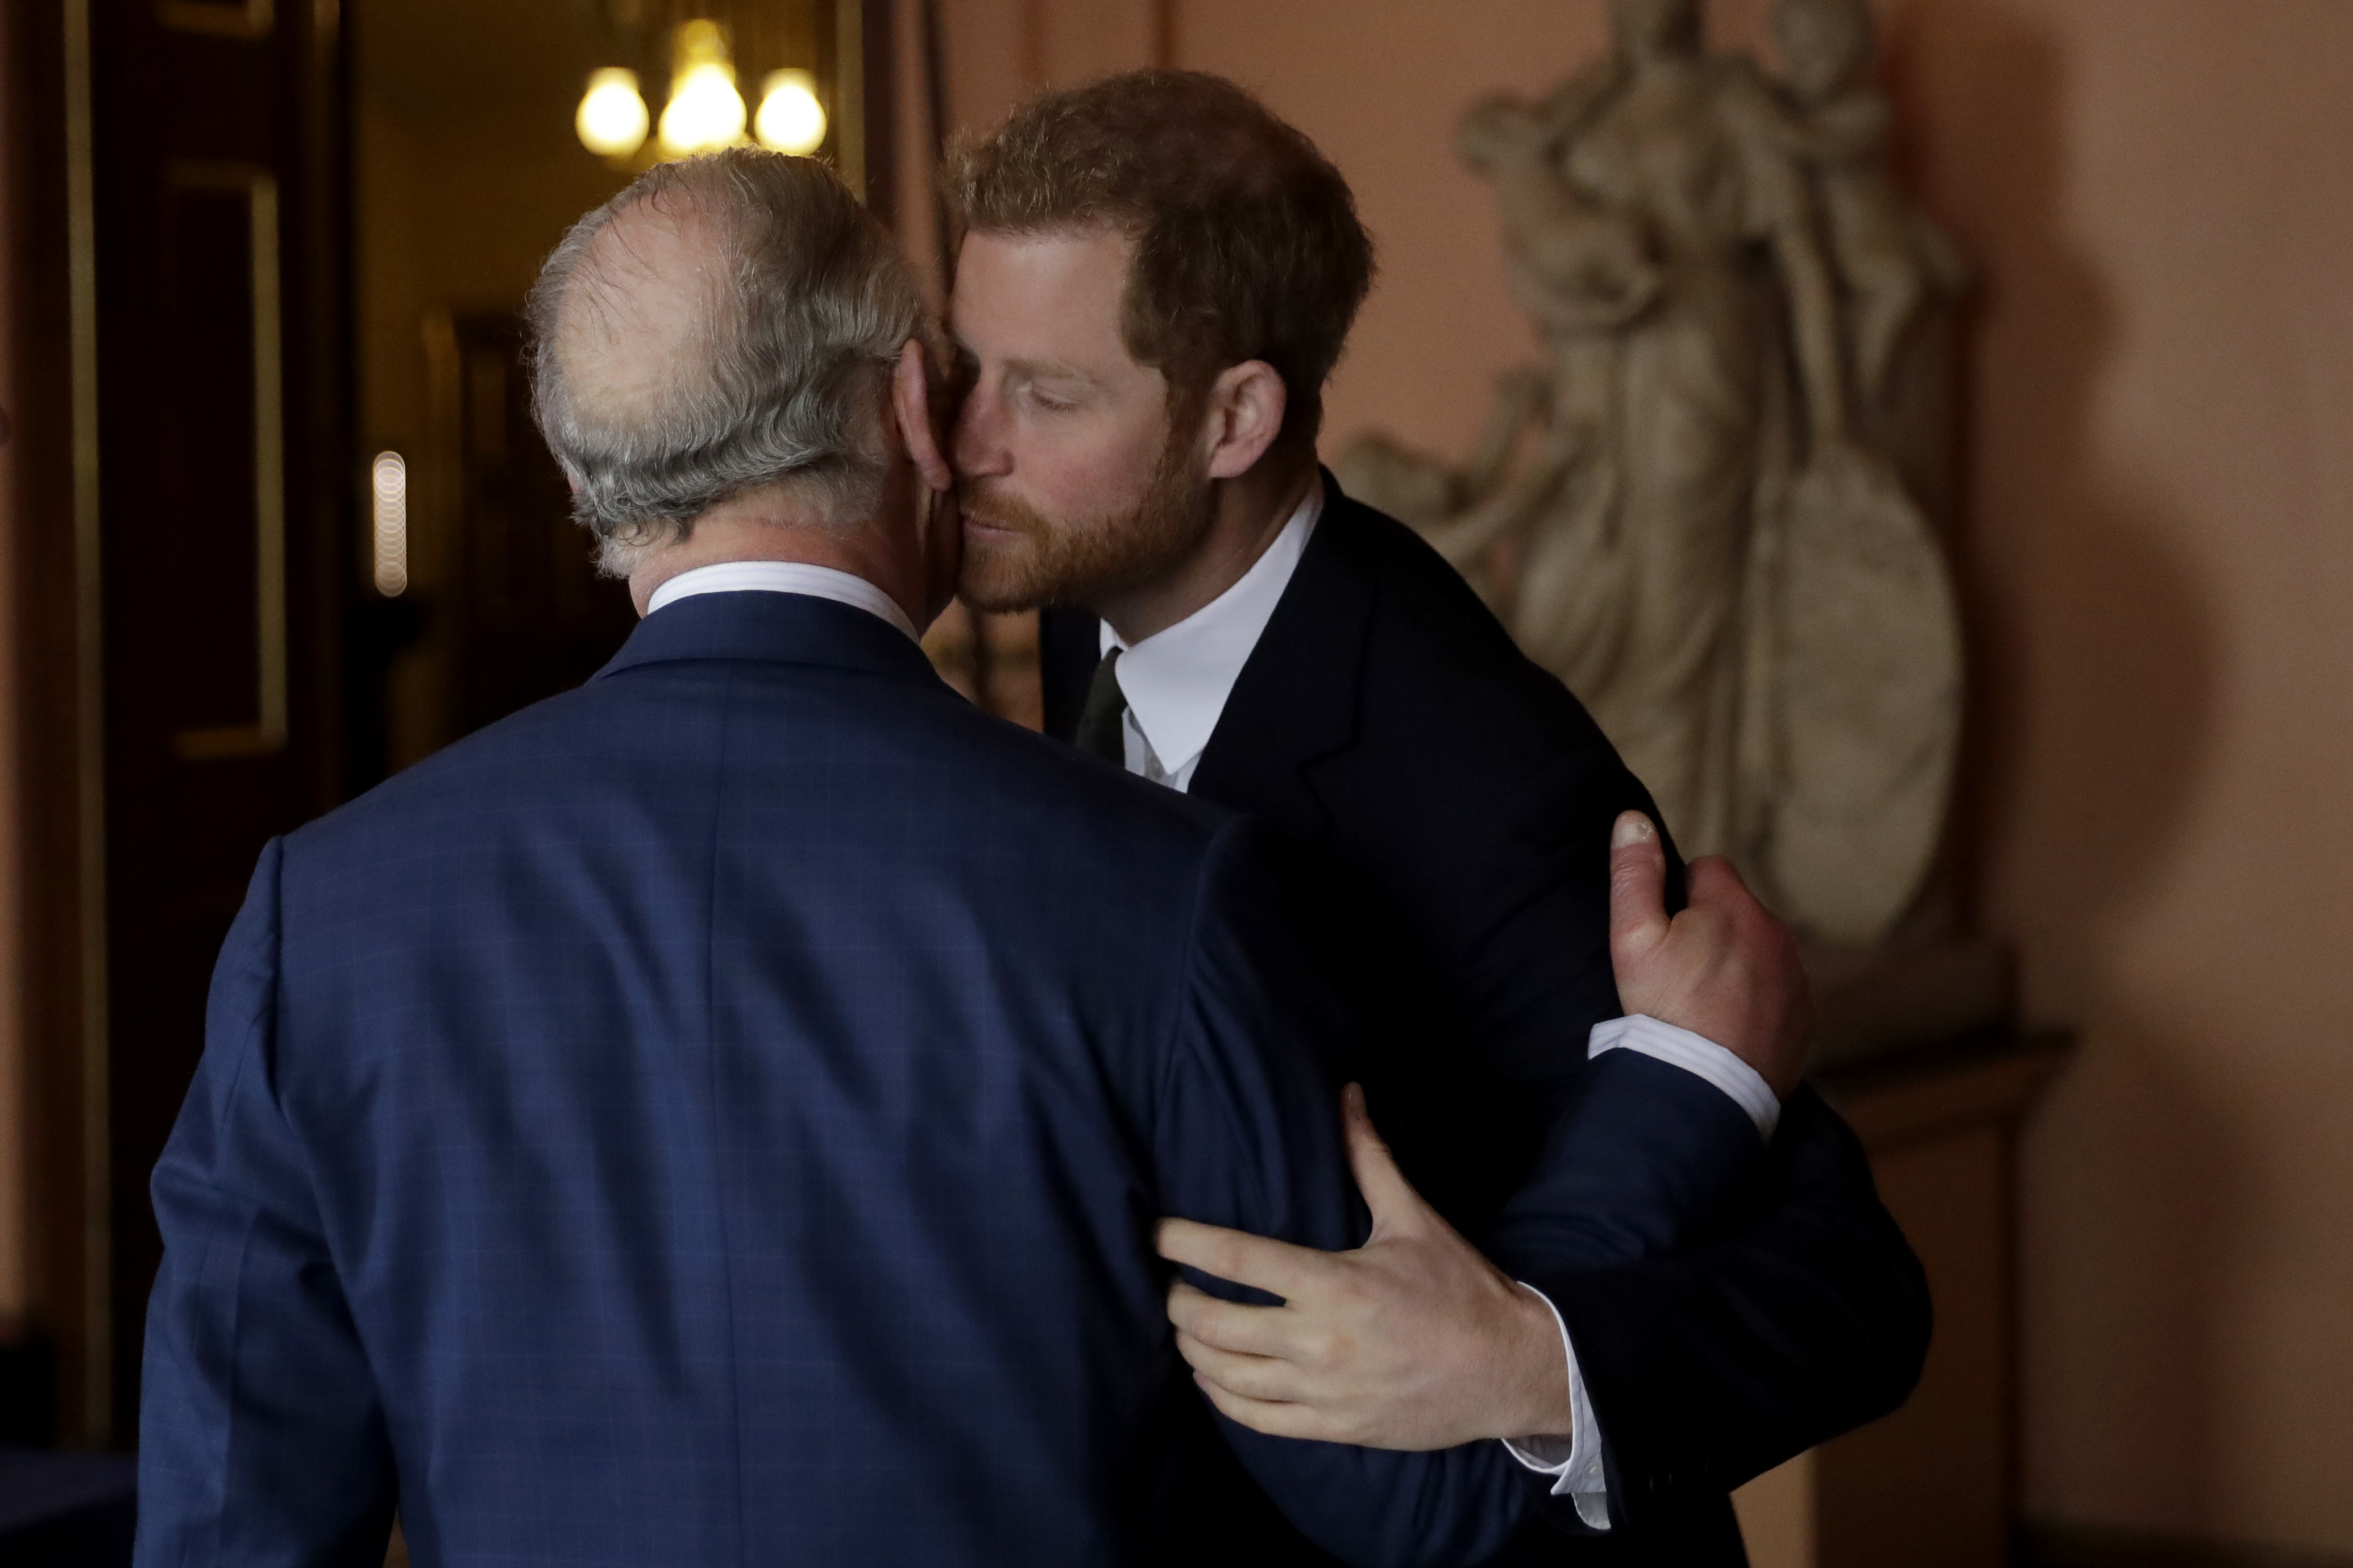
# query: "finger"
{"type": "Point", "coordinates": [1638, 889]}
{"type": "Point", "coordinates": [1251, 1376]}
{"type": "Point", "coordinates": [1276, 1420]}
{"type": "Point", "coordinates": [1397, 1208]}
{"type": "Point", "coordinates": [1274, 1266]}
{"type": "Point", "coordinates": [1230, 1325]}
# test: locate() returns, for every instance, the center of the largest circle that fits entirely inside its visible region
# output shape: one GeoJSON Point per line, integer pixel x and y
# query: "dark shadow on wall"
{"type": "Point", "coordinates": [2130, 666]}
{"type": "Point", "coordinates": [2090, 716]}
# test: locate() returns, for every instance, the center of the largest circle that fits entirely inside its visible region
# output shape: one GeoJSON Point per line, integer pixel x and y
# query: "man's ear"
{"type": "Point", "coordinates": [911, 400]}
{"type": "Point", "coordinates": [1246, 405]}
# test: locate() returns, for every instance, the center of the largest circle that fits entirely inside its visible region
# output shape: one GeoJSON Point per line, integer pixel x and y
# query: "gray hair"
{"type": "Point", "coordinates": [783, 375]}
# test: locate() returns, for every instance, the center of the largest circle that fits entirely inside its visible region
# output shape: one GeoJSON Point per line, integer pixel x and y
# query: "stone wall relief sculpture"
{"type": "Point", "coordinates": [1695, 508]}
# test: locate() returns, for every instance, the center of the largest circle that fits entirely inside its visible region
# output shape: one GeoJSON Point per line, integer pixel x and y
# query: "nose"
{"type": "Point", "coordinates": [980, 450]}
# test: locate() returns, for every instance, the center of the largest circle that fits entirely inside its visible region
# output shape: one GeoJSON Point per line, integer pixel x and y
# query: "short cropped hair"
{"type": "Point", "coordinates": [1246, 241]}
{"type": "Point", "coordinates": [783, 375]}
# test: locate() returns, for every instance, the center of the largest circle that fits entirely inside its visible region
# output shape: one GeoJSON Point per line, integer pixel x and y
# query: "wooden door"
{"type": "Point", "coordinates": [531, 616]}
{"type": "Point", "coordinates": [223, 536]}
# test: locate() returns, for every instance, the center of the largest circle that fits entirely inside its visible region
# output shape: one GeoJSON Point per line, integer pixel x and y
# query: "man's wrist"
{"type": "Point", "coordinates": [1538, 1374]}
{"type": "Point", "coordinates": [1696, 1053]}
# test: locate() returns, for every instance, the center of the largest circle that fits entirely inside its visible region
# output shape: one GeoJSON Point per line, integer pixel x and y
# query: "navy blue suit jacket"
{"type": "Point", "coordinates": [719, 1116]}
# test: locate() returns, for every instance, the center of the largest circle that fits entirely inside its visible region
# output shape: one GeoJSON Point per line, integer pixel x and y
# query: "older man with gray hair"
{"type": "Point", "coordinates": [729, 364]}
{"type": "Point", "coordinates": [719, 1115]}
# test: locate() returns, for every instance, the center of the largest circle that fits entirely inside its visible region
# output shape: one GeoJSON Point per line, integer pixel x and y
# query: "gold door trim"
{"type": "Point", "coordinates": [89, 740]}
{"type": "Point", "coordinates": [252, 20]}
{"type": "Point", "coordinates": [266, 735]}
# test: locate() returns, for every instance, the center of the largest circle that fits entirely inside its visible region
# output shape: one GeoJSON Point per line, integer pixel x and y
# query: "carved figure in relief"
{"type": "Point", "coordinates": [1674, 511]}
{"type": "Point", "coordinates": [1891, 258]}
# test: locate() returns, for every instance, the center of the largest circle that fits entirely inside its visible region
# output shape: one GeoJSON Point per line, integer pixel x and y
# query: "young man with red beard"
{"type": "Point", "coordinates": [1155, 279]}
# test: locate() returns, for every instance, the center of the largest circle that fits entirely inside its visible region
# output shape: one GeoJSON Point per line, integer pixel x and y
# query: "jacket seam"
{"type": "Point", "coordinates": [1175, 1046]}
{"type": "Point", "coordinates": [710, 1046]}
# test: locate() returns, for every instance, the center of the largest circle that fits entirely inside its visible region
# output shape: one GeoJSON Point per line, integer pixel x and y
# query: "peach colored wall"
{"type": "Point", "coordinates": [2160, 557]}
{"type": "Point", "coordinates": [1002, 49]}
{"type": "Point", "coordinates": [2157, 557]}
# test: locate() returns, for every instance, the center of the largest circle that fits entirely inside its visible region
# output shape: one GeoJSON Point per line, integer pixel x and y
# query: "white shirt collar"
{"type": "Point", "coordinates": [782, 577]}
{"type": "Point", "coordinates": [1178, 680]}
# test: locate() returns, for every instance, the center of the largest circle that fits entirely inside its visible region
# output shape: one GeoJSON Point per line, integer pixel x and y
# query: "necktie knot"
{"type": "Point", "coordinates": [1101, 732]}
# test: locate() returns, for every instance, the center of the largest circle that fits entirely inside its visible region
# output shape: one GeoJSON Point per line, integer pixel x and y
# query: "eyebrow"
{"type": "Point", "coordinates": [1033, 369]}
{"type": "Point", "coordinates": [1048, 370]}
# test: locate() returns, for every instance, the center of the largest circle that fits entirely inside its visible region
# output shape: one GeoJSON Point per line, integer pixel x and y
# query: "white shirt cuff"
{"type": "Point", "coordinates": [1574, 1462]}
{"type": "Point", "coordinates": [1693, 1054]}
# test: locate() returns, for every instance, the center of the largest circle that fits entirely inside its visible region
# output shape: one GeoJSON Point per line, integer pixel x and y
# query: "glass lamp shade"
{"type": "Point", "coordinates": [791, 120]}
{"type": "Point", "coordinates": [612, 121]}
{"type": "Point", "coordinates": [704, 112]}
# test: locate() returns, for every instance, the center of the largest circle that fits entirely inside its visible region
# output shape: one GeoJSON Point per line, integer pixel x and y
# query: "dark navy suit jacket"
{"type": "Point", "coordinates": [719, 1116]}
{"type": "Point", "coordinates": [1439, 810]}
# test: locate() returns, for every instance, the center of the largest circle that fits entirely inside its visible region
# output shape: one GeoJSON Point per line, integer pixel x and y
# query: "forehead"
{"type": "Point", "coordinates": [1050, 295]}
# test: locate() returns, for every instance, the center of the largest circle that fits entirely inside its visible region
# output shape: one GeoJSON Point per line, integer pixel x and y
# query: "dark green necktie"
{"type": "Point", "coordinates": [1099, 732]}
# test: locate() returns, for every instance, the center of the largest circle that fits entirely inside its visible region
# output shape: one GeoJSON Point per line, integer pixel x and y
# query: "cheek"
{"type": "Point", "coordinates": [1073, 469]}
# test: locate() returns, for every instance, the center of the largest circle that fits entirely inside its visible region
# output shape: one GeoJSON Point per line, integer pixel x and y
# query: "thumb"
{"type": "Point", "coordinates": [1397, 1208]}
{"type": "Point", "coordinates": [1715, 882]}
{"type": "Point", "coordinates": [1638, 893]}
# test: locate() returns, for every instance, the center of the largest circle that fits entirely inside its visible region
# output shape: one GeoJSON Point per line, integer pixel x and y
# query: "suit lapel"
{"type": "Point", "coordinates": [1295, 703]}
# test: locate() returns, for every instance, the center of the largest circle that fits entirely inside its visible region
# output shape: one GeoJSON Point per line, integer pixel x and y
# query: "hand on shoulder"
{"type": "Point", "coordinates": [1725, 968]}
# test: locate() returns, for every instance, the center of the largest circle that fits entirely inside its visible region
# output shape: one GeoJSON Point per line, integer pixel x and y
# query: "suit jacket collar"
{"type": "Point", "coordinates": [772, 628]}
{"type": "Point", "coordinates": [1295, 703]}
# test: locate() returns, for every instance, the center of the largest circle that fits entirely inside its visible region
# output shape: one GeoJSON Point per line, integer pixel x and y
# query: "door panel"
{"type": "Point", "coordinates": [532, 617]}
{"type": "Point", "coordinates": [219, 366]}
{"type": "Point", "coordinates": [223, 551]}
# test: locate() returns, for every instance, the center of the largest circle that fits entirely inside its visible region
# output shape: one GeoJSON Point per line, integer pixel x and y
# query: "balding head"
{"type": "Point", "coordinates": [726, 323]}
{"type": "Point", "coordinates": [637, 322]}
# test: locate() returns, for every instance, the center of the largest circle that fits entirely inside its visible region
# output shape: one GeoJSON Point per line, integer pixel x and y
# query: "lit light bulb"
{"type": "Point", "coordinates": [791, 120]}
{"type": "Point", "coordinates": [612, 120]}
{"type": "Point", "coordinates": [705, 112]}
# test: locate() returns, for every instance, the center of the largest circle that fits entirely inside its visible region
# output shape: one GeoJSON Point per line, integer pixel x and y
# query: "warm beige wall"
{"type": "Point", "coordinates": [2156, 560]}
{"type": "Point", "coordinates": [2159, 556]}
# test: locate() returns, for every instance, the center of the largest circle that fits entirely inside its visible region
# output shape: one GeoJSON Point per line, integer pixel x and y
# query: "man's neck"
{"type": "Point", "coordinates": [758, 527]}
{"type": "Point", "coordinates": [1250, 515]}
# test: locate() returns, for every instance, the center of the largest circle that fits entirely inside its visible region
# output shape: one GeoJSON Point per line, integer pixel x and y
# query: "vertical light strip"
{"type": "Point", "coordinates": [849, 93]}
{"type": "Point", "coordinates": [98, 1227]}
{"type": "Point", "coordinates": [388, 484]}
{"type": "Point", "coordinates": [1034, 52]}
{"type": "Point", "coordinates": [1164, 33]}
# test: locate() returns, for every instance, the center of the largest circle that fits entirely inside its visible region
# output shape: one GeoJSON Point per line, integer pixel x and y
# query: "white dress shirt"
{"type": "Point", "coordinates": [782, 577]}
{"type": "Point", "coordinates": [1177, 682]}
